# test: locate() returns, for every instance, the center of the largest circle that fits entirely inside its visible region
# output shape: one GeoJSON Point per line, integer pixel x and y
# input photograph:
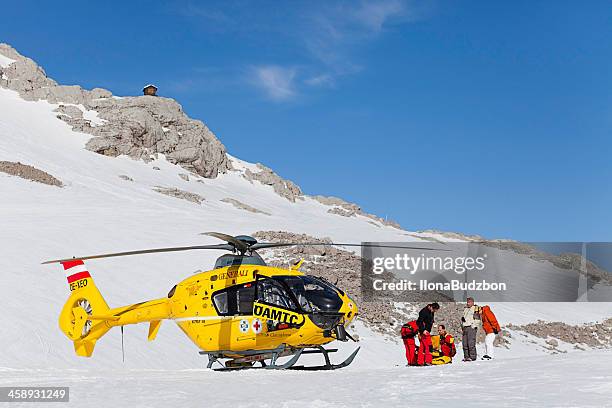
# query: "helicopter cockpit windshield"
{"type": "Point", "coordinates": [313, 294]}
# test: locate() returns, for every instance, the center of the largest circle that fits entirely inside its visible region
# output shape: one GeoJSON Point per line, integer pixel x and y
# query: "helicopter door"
{"type": "Point", "coordinates": [276, 306]}
{"type": "Point", "coordinates": [274, 293]}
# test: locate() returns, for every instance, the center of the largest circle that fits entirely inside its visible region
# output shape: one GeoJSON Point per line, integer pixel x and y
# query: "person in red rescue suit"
{"type": "Point", "coordinates": [491, 327]}
{"type": "Point", "coordinates": [425, 322]}
{"type": "Point", "coordinates": [409, 333]}
{"type": "Point", "coordinates": [447, 342]}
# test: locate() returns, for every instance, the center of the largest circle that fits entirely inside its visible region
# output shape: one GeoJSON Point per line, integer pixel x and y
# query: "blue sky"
{"type": "Point", "coordinates": [480, 117]}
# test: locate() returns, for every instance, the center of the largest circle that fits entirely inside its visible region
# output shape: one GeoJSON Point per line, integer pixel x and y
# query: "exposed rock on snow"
{"type": "Point", "coordinates": [341, 211]}
{"type": "Point", "coordinates": [29, 173]}
{"type": "Point", "coordinates": [242, 206]}
{"type": "Point", "coordinates": [453, 235]}
{"type": "Point", "coordinates": [346, 209]}
{"type": "Point", "coordinates": [282, 187]}
{"type": "Point", "coordinates": [126, 178]}
{"type": "Point", "coordinates": [72, 113]}
{"type": "Point", "coordinates": [597, 335]}
{"type": "Point", "coordinates": [183, 195]}
{"type": "Point", "coordinates": [134, 126]}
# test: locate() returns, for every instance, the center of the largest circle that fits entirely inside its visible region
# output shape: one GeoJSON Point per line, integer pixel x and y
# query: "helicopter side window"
{"type": "Point", "coordinates": [244, 299]}
{"type": "Point", "coordinates": [236, 300]}
{"type": "Point", "coordinates": [273, 293]}
{"type": "Point", "coordinates": [221, 304]}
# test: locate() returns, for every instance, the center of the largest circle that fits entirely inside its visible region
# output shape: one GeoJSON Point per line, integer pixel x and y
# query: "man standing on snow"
{"type": "Point", "coordinates": [491, 328]}
{"type": "Point", "coordinates": [470, 322]}
{"type": "Point", "coordinates": [425, 322]}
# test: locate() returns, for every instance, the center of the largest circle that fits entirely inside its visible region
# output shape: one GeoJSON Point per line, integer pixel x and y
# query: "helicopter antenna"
{"type": "Point", "coordinates": [122, 348]}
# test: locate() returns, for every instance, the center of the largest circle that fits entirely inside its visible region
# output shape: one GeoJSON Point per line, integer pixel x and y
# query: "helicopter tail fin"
{"type": "Point", "coordinates": [82, 317]}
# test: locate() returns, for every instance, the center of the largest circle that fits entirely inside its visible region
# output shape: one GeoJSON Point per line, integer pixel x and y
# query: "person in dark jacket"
{"type": "Point", "coordinates": [425, 323]}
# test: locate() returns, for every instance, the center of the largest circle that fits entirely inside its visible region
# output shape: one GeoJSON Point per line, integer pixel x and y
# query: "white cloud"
{"type": "Point", "coordinates": [335, 31]}
{"type": "Point", "coordinates": [374, 14]}
{"type": "Point", "coordinates": [277, 82]}
{"type": "Point", "coordinates": [320, 80]}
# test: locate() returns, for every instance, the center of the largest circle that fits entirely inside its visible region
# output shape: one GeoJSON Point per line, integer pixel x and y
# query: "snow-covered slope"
{"type": "Point", "coordinates": [98, 211]}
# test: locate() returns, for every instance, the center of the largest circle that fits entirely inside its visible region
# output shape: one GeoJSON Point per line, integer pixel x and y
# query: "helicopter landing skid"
{"type": "Point", "coordinates": [248, 361]}
{"type": "Point", "coordinates": [328, 365]}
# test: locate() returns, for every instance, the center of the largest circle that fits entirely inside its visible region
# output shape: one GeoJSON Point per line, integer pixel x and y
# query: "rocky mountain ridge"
{"type": "Point", "coordinates": [142, 127]}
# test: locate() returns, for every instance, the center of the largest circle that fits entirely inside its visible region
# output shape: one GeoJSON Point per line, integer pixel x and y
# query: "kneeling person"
{"type": "Point", "coordinates": [444, 347]}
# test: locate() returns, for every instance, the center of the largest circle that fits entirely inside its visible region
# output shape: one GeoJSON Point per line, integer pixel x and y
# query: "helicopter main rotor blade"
{"type": "Point", "coordinates": [264, 245]}
{"type": "Point", "coordinates": [239, 245]}
{"type": "Point", "coordinates": [144, 251]}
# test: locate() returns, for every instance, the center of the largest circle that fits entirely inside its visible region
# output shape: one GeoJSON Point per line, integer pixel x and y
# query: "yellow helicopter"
{"type": "Point", "coordinates": [242, 314]}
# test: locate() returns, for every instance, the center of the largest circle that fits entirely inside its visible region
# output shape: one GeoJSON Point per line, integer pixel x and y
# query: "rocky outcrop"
{"type": "Point", "coordinates": [144, 125]}
{"type": "Point", "coordinates": [346, 209]}
{"type": "Point", "coordinates": [183, 195]}
{"type": "Point", "coordinates": [452, 235]}
{"type": "Point", "coordinates": [242, 206]}
{"type": "Point", "coordinates": [29, 173]}
{"type": "Point", "coordinates": [134, 126]}
{"type": "Point", "coordinates": [598, 335]}
{"type": "Point", "coordinates": [341, 211]}
{"type": "Point", "coordinates": [282, 187]}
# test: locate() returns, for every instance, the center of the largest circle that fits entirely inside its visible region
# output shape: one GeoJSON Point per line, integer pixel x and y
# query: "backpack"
{"type": "Point", "coordinates": [409, 330]}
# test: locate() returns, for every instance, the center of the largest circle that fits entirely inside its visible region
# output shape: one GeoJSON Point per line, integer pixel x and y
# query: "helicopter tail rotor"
{"type": "Point", "coordinates": [78, 316]}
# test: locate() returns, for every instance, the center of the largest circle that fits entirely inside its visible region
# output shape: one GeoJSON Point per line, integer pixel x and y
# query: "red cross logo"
{"type": "Point", "coordinates": [256, 326]}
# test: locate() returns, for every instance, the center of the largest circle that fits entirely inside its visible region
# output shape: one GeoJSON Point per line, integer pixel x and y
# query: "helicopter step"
{"type": "Point", "coordinates": [250, 358]}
